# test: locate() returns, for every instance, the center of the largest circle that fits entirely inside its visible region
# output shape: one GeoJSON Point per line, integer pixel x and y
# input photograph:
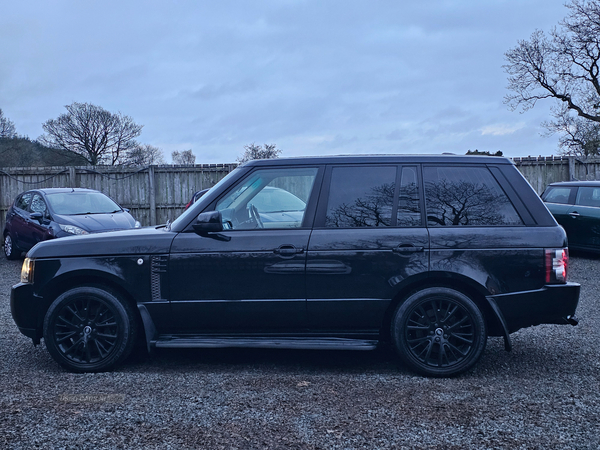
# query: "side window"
{"type": "Point", "coordinates": [558, 194]}
{"type": "Point", "coordinates": [588, 196]}
{"type": "Point", "coordinates": [361, 197]}
{"type": "Point", "coordinates": [24, 201]}
{"type": "Point", "coordinates": [409, 212]}
{"type": "Point", "coordinates": [467, 196]}
{"type": "Point", "coordinates": [38, 204]}
{"type": "Point", "coordinates": [268, 198]}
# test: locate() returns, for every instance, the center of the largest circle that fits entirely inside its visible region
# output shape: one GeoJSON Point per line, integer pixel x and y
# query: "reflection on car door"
{"type": "Point", "coordinates": [365, 243]}
{"type": "Point", "coordinates": [251, 277]}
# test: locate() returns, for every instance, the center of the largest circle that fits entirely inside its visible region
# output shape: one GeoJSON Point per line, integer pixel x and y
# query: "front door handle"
{"type": "Point", "coordinates": [574, 214]}
{"type": "Point", "coordinates": [408, 248]}
{"type": "Point", "coordinates": [288, 250]}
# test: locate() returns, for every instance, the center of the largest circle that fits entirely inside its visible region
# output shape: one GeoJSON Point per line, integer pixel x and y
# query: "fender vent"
{"type": "Point", "coordinates": [158, 266]}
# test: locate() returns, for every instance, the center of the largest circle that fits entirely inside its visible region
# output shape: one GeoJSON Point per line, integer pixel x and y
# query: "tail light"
{"type": "Point", "coordinates": [557, 262]}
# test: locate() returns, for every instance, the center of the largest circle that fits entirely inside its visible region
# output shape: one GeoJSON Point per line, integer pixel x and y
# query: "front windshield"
{"type": "Point", "coordinates": [184, 218]}
{"type": "Point", "coordinates": [74, 203]}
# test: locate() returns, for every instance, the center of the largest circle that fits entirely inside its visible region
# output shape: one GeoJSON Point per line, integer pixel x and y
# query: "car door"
{"type": "Point", "coordinates": [583, 218]}
{"type": "Point", "coordinates": [36, 227]}
{"type": "Point", "coordinates": [251, 277]}
{"type": "Point", "coordinates": [18, 218]}
{"type": "Point", "coordinates": [369, 238]}
{"type": "Point", "coordinates": [559, 200]}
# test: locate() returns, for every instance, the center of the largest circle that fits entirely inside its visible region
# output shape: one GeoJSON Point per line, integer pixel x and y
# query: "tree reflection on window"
{"type": "Point", "coordinates": [466, 196]}
{"type": "Point", "coordinates": [374, 209]}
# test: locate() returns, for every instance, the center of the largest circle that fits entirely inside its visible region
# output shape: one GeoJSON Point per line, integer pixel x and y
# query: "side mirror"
{"type": "Point", "coordinates": [37, 216]}
{"type": "Point", "coordinates": [208, 222]}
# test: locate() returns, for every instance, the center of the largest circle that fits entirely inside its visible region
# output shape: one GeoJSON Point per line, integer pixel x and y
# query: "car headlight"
{"type": "Point", "coordinates": [73, 229]}
{"type": "Point", "coordinates": [27, 271]}
{"type": "Point", "coordinates": [137, 224]}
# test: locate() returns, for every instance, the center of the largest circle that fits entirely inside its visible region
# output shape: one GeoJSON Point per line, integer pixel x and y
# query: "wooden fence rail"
{"type": "Point", "coordinates": [156, 194]}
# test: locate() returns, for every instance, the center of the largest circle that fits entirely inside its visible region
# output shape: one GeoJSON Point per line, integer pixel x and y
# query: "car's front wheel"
{"type": "Point", "coordinates": [10, 249]}
{"type": "Point", "coordinates": [439, 332]}
{"type": "Point", "coordinates": [88, 329]}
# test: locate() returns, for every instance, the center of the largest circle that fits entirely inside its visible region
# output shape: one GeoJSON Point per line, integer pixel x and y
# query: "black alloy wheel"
{"type": "Point", "coordinates": [88, 329]}
{"type": "Point", "coordinates": [439, 332]}
{"type": "Point", "coordinates": [10, 249]}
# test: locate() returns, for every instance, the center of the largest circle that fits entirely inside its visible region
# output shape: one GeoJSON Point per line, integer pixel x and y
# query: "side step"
{"type": "Point", "coordinates": [263, 342]}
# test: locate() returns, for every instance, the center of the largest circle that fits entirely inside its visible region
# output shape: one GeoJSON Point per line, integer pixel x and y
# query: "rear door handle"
{"type": "Point", "coordinates": [407, 248]}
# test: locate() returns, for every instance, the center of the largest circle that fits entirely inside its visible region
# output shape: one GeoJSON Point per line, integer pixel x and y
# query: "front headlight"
{"type": "Point", "coordinates": [72, 229]}
{"type": "Point", "coordinates": [27, 271]}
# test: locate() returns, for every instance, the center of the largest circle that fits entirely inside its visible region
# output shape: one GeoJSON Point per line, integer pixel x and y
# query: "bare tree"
{"type": "Point", "coordinates": [253, 151]}
{"type": "Point", "coordinates": [183, 157]}
{"type": "Point", "coordinates": [7, 127]}
{"type": "Point", "coordinates": [145, 155]}
{"type": "Point", "coordinates": [100, 136]}
{"type": "Point", "coordinates": [563, 66]}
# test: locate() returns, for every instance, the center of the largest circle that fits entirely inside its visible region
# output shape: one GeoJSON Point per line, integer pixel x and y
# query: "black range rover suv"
{"type": "Point", "coordinates": [431, 254]}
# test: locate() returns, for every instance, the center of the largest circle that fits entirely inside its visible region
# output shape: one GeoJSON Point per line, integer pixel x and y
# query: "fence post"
{"type": "Point", "coordinates": [572, 168]}
{"type": "Point", "coordinates": [72, 177]}
{"type": "Point", "coordinates": [152, 193]}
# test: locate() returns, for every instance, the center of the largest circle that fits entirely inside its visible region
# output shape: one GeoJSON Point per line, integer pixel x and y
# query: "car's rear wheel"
{"type": "Point", "coordinates": [10, 249]}
{"type": "Point", "coordinates": [88, 329]}
{"type": "Point", "coordinates": [439, 332]}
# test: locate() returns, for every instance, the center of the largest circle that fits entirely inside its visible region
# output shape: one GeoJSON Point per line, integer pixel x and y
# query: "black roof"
{"type": "Point", "coordinates": [391, 159]}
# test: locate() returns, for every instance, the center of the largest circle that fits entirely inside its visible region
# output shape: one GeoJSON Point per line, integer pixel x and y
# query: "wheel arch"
{"type": "Point", "coordinates": [476, 292]}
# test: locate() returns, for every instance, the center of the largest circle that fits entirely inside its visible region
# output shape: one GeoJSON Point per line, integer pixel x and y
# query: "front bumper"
{"type": "Point", "coordinates": [25, 310]}
{"type": "Point", "coordinates": [553, 304]}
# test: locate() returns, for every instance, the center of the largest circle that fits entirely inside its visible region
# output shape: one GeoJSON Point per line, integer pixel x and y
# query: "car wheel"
{"type": "Point", "coordinates": [10, 249]}
{"type": "Point", "coordinates": [439, 332]}
{"type": "Point", "coordinates": [88, 329]}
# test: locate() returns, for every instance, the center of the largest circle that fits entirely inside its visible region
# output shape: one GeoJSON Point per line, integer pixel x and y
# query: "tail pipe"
{"type": "Point", "coordinates": [572, 320]}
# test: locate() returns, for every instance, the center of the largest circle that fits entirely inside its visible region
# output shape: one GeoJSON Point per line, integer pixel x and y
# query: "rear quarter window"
{"type": "Point", "coordinates": [466, 196]}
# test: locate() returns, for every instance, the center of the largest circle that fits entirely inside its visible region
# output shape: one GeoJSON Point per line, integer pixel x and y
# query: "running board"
{"type": "Point", "coordinates": [266, 342]}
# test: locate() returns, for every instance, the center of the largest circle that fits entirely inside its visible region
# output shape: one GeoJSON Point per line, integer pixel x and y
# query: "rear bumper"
{"type": "Point", "coordinates": [553, 304]}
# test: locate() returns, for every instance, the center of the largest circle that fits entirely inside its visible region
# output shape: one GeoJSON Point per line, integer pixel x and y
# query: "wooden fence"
{"type": "Point", "coordinates": [153, 194]}
{"type": "Point", "coordinates": [156, 194]}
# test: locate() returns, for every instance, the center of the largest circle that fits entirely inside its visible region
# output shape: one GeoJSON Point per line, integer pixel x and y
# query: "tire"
{"type": "Point", "coordinates": [88, 329]}
{"type": "Point", "coordinates": [10, 249]}
{"type": "Point", "coordinates": [439, 332]}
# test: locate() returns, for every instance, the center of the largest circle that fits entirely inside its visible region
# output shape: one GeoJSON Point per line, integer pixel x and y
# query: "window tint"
{"type": "Point", "coordinates": [268, 198]}
{"type": "Point", "coordinates": [361, 197]}
{"type": "Point", "coordinates": [466, 196]}
{"type": "Point", "coordinates": [409, 212]}
{"type": "Point", "coordinates": [558, 195]}
{"type": "Point", "coordinates": [588, 196]}
{"type": "Point", "coordinates": [23, 201]}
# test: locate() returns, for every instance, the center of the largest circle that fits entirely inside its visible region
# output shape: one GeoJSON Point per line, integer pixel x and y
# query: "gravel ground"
{"type": "Point", "coordinates": [542, 395]}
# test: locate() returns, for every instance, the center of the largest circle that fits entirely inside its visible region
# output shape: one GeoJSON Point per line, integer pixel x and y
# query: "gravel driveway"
{"type": "Point", "coordinates": [542, 395]}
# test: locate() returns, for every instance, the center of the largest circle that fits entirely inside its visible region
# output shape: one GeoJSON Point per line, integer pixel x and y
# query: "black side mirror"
{"type": "Point", "coordinates": [208, 222]}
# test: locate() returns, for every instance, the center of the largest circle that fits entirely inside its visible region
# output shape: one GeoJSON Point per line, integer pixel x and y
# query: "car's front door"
{"type": "Point", "coordinates": [250, 278]}
{"type": "Point", "coordinates": [583, 219]}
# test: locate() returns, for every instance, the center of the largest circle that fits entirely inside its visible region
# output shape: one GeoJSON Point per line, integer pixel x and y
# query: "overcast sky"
{"type": "Point", "coordinates": [313, 77]}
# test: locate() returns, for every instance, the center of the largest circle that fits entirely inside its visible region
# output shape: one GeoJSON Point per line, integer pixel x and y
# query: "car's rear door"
{"type": "Point", "coordinates": [583, 218]}
{"type": "Point", "coordinates": [364, 246]}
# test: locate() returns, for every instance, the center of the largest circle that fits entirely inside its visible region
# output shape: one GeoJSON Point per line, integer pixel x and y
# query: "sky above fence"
{"type": "Point", "coordinates": [314, 77]}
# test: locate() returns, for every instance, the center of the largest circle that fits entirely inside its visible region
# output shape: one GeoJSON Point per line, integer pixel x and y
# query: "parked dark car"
{"type": "Point", "coordinates": [576, 206]}
{"type": "Point", "coordinates": [431, 254]}
{"type": "Point", "coordinates": [43, 214]}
